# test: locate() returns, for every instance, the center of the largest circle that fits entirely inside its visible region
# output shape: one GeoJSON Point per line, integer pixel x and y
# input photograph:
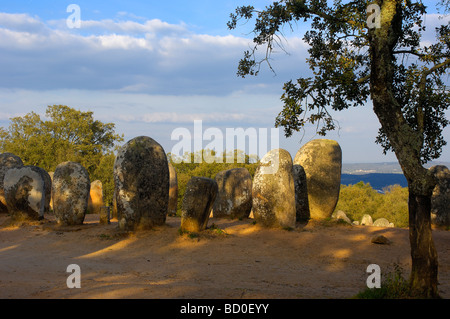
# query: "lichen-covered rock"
{"type": "Point", "coordinates": [273, 191]}
{"type": "Point", "coordinates": [95, 201]}
{"type": "Point", "coordinates": [381, 222]}
{"type": "Point", "coordinates": [70, 191]}
{"type": "Point", "coordinates": [27, 192]}
{"type": "Point", "coordinates": [197, 203]}
{"type": "Point", "coordinates": [440, 201]}
{"type": "Point", "coordinates": [141, 179]}
{"type": "Point", "coordinates": [7, 161]}
{"type": "Point", "coordinates": [173, 191]}
{"type": "Point", "coordinates": [234, 198]}
{"type": "Point", "coordinates": [301, 194]}
{"type": "Point", "coordinates": [322, 162]}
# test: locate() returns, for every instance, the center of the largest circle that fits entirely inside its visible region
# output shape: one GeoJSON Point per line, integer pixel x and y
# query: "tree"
{"type": "Point", "coordinates": [361, 51]}
{"type": "Point", "coordinates": [67, 135]}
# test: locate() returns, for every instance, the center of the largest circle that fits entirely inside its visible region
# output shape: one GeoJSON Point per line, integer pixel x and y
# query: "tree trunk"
{"type": "Point", "coordinates": [406, 143]}
{"type": "Point", "coordinates": [424, 272]}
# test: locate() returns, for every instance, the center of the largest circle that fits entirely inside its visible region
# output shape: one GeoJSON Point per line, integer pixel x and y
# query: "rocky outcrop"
{"type": "Point", "coordinates": [141, 179]}
{"type": "Point", "coordinates": [273, 191]}
{"type": "Point", "coordinates": [322, 161]}
{"type": "Point", "coordinates": [234, 198]}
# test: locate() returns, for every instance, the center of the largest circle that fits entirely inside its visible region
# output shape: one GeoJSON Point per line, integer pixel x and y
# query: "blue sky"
{"type": "Point", "coordinates": [154, 66]}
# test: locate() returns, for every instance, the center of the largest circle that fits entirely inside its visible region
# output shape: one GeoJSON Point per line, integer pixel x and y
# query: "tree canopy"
{"type": "Point", "coordinates": [65, 134]}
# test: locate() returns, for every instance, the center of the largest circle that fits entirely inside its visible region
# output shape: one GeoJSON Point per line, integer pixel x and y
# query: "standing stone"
{"type": "Point", "coordinates": [197, 203]}
{"type": "Point", "coordinates": [381, 222]}
{"type": "Point", "coordinates": [173, 191]}
{"type": "Point", "coordinates": [7, 161]}
{"type": "Point", "coordinates": [95, 201]}
{"type": "Point", "coordinates": [51, 199]}
{"type": "Point", "coordinates": [71, 187]}
{"type": "Point", "coordinates": [234, 198]}
{"type": "Point", "coordinates": [440, 200]}
{"type": "Point", "coordinates": [141, 179]}
{"type": "Point", "coordinates": [301, 194]}
{"type": "Point", "coordinates": [273, 190]}
{"type": "Point", "coordinates": [322, 162]}
{"type": "Point", "coordinates": [27, 192]}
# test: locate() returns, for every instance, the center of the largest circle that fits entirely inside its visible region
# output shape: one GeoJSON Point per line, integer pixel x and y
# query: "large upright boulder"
{"type": "Point", "coordinates": [273, 190]}
{"type": "Point", "coordinates": [197, 203]}
{"type": "Point", "coordinates": [141, 179]}
{"type": "Point", "coordinates": [322, 162]}
{"type": "Point", "coordinates": [301, 194]}
{"type": "Point", "coordinates": [27, 192]}
{"type": "Point", "coordinates": [95, 202]}
{"type": "Point", "coordinates": [173, 191]}
{"type": "Point", "coordinates": [440, 201]}
{"type": "Point", "coordinates": [70, 191]}
{"type": "Point", "coordinates": [7, 161]}
{"type": "Point", "coordinates": [234, 197]}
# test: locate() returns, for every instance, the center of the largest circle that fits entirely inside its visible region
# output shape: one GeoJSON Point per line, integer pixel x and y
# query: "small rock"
{"type": "Point", "coordinates": [381, 240]}
{"type": "Point", "coordinates": [381, 222]}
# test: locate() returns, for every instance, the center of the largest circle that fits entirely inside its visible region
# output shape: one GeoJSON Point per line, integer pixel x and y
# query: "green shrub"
{"type": "Point", "coordinates": [360, 199]}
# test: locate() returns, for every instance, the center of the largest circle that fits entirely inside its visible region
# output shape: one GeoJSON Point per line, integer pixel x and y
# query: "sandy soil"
{"type": "Point", "coordinates": [242, 260]}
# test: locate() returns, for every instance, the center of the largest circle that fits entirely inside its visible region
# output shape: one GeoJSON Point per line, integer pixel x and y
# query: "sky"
{"type": "Point", "coordinates": [154, 67]}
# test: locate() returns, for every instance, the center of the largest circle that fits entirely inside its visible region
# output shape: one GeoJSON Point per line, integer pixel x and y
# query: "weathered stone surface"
{"type": "Point", "coordinates": [141, 178]}
{"type": "Point", "coordinates": [381, 222]}
{"type": "Point", "coordinates": [173, 191]}
{"type": "Point", "coordinates": [197, 203]}
{"type": "Point", "coordinates": [51, 199]}
{"type": "Point", "coordinates": [105, 215]}
{"type": "Point", "coordinates": [301, 193]}
{"type": "Point", "coordinates": [440, 201]}
{"type": "Point", "coordinates": [366, 220]}
{"type": "Point", "coordinates": [27, 192]}
{"type": "Point", "coordinates": [273, 191]}
{"type": "Point", "coordinates": [7, 161]}
{"type": "Point", "coordinates": [70, 190]}
{"type": "Point", "coordinates": [341, 215]}
{"type": "Point", "coordinates": [95, 201]}
{"type": "Point", "coordinates": [322, 162]}
{"type": "Point", "coordinates": [234, 198]}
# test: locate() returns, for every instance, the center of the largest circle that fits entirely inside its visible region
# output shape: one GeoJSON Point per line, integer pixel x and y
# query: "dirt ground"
{"type": "Point", "coordinates": [231, 260]}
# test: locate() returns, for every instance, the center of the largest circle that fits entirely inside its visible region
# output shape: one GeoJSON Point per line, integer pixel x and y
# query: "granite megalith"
{"type": "Point", "coordinates": [141, 181]}
{"type": "Point", "coordinates": [27, 192]}
{"type": "Point", "coordinates": [7, 161]}
{"type": "Point", "coordinates": [440, 200]}
{"type": "Point", "coordinates": [198, 200]}
{"type": "Point", "coordinates": [173, 191]}
{"type": "Point", "coordinates": [301, 194]}
{"type": "Point", "coordinates": [322, 162]}
{"type": "Point", "coordinates": [70, 192]}
{"type": "Point", "coordinates": [95, 202]}
{"type": "Point", "coordinates": [234, 197]}
{"type": "Point", "coordinates": [273, 191]}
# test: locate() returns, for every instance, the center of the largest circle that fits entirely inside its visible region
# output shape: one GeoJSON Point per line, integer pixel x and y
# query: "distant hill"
{"type": "Point", "coordinates": [381, 168]}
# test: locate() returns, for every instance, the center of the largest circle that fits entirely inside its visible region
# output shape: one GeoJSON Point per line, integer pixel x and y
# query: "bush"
{"type": "Point", "coordinates": [360, 199]}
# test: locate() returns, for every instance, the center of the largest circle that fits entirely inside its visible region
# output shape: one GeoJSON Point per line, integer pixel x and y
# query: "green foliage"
{"type": "Point", "coordinates": [360, 199]}
{"type": "Point", "coordinates": [67, 135]}
{"type": "Point", "coordinates": [188, 168]}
